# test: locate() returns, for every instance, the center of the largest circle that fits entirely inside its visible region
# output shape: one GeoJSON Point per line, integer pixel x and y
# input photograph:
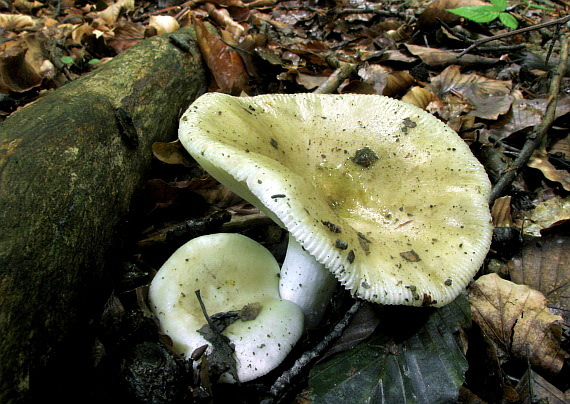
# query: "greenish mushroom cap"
{"type": "Point", "coordinates": [386, 196]}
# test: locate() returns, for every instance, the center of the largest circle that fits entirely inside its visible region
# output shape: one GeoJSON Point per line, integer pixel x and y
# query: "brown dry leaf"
{"type": "Point", "coordinates": [436, 10]}
{"type": "Point", "coordinates": [172, 153]}
{"type": "Point", "coordinates": [17, 73]}
{"type": "Point", "coordinates": [533, 388]}
{"type": "Point", "coordinates": [490, 98]}
{"type": "Point", "coordinates": [10, 22]}
{"type": "Point", "coordinates": [525, 114]}
{"type": "Point", "coordinates": [543, 265]}
{"type": "Point", "coordinates": [441, 58]}
{"type": "Point", "coordinates": [516, 318]}
{"type": "Point", "coordinates": [501, 212]}
{"type": "Point", "coordinates": [223, 18]}
{"type": "Point", "coordinates": [25, 5]}
{"type": "Point", "coordinates": [397, 81]}
{"type": "Point", "coordinates": [419, 96]}
{"type": "Point", "coordinates": [224, 62]}
{"type": "Point", "coordinates": [547, 214]}
{"type": "Point", "coordinates": [539, 160]}
{"type": "Point", "coordinates": [110, 15]}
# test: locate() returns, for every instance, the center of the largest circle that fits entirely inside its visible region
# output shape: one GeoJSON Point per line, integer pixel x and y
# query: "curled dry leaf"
{"type": "Point", "coordinates": [539, 160]}
{"type": "Point", "coordinates": [543, 265]}
{"type": "Point", "coordinates": [111, 14]}
{"type": "Point", "coordinates": [172, 153]}
{"type": "Point", "coordinates": [489, 98]}
{"type": "Point", "coordinates": [224, 62]}
{"type": "Point", "coordinates": [26, 5]}
{"type": "Point", "coordinates": [10, 22]}
{"type": "Point", "coordinates": [516, 318]}
{"type": "Point", "coordinates": [501, 212]}
{"type": "Point", "coordinates": [441, 58]}
{"type": "Point", "coordinates": [419, 96]}
{"type": "Point", "coordinates": [547, 214]}
{"type": "Point", "coordinates": [17, 71]}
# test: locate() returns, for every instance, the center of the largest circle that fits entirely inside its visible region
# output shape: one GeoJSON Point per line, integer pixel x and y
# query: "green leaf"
{"type": "Point", "coordinates": [508, 20]}
{"type": "Point", "coordinates": [93, 61]}
{"type": "Point", "coordinates": [476, 13]}
{"type": "Point", "coordinates": [500, 5]}
{"type": "Point", "coordinates": [424, 366]}
{"type": "Point", "coordinates": [68, 60]}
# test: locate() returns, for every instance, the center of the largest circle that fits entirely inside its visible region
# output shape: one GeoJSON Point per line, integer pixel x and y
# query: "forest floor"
{"type": "Point", "coordinates": [505, 340]}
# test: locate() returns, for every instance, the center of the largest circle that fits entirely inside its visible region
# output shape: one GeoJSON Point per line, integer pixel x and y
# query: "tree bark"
{"type": "Point", "coordinates": [69, 165]}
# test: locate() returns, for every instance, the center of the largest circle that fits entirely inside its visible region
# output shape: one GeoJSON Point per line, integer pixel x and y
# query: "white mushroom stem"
{"type": "Point", "coordinates": [306, 282]}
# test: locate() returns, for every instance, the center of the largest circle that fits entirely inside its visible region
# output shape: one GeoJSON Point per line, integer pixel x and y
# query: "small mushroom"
{"type": "Point", "coordinates": [380, 193]}
{"type": "Point", "coordinates": [231, 271]}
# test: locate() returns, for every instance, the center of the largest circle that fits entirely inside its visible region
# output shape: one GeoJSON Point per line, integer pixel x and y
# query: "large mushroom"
{"type": "Point", "coordinates": [231, 272]}
{"type": "Point", "coordinates": [380, 193]}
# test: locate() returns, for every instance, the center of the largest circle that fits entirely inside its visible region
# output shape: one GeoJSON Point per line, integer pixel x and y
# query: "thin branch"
{"type": "Point", "coordinates": [475, 44]}
{"type": "Point", "coordinates": [539, 132]}
{"type": "Point", "coordinates": [285, 379]}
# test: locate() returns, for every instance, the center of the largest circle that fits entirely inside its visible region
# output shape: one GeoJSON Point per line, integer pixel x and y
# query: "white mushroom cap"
{"type": "Point", "coordinates": [386, 196]}
{"type": "Point", "coordinates": [231, 271]}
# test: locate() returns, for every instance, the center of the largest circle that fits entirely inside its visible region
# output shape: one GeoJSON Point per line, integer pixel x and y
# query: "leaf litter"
{"type": "Point", "coordinates": [494, 97]}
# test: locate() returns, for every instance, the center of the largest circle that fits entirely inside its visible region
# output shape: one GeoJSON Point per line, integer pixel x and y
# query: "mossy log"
{"type": "Point", "coordinates": [69, 166]}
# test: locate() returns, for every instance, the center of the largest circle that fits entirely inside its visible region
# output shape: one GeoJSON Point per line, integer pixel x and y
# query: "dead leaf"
{"type": "Point", "coordinates": [489, 98]}
{"type": "Point", "coordinates": [442, 58]}
{"type": "Point", "coordinates": [525, 114]}
{"type": "Point", "coordinates": [436, 10]}
{"type": "Point", "coordinates": [533, 388]}
{"type": "Point", "coordinates": [539, 160]}
{"type": "Point", "coordinates": [419, 96]}
{"type": "Point", "coordinates": [543, 265]}
{"type": "Point", "coordinates": [223, 61]}
{"type": "Point", "coordinates": [172, 153]}
{"type": "Point", "coordinates": [501, 212]}
{"type": "Point", "coordinates": [111, 14]}
{"type": "Point", "coordinates": [516, 318]}
{"type": "Point", "coordinates": [547, 214]}
{"type": "Point", "coordinates": [11, 22]}
{"type": "Point", "coordinates": [16, 72]}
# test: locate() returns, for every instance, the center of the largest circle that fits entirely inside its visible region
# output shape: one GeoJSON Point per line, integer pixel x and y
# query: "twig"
{"type": "Point", "coordinates": [342, 72]}
{"type": "Point", "coordinates": [475, 44]}
{"type": "Point", "coordinates": [537, 135]}
{"type": "Point", "coordinates": [285, 379]}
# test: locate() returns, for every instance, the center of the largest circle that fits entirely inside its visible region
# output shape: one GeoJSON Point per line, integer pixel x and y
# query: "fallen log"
{"type": "Point", "coordinates": [69, 165]}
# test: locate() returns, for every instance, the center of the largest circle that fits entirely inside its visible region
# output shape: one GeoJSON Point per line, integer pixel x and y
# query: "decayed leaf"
{"type": "Point", "coordinates": [110, 15]}
{"type": "Point", "coordinates": [17, 73]}
{"type": "Point", "coordinates": [26, 5]}
{"type": "Point", "coordinates": [428, 19]}
{"type": "Point", "coordinates": [544, 266]}
{"type": "Point", "coordinates": [516, 318]}
{"type": "Point", "coordinates": [501, 212]}
{"type": "Point", "coordinates": [419, 96]}
{"type": "Point", "coordinates": [394, 367]}
{"type": "Point", "coordinates": [441, 58]}
{"type": "Point", "coordinates": [539, 160]}
{"type": "Point", "coordinates": [10, 22]}
{"type": "Point", "coordinates": [533, 388]}
{"type": "Point", "coordinates": [172, 153]}
{"type": "Point", "coordinates": [489, 98]}
{"type": "Point", "coordinates": [551, 212]}
{"type": "Point", "coordinates": [224, 62]}
{"type": "Point", "coordinates": [525, 114]}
